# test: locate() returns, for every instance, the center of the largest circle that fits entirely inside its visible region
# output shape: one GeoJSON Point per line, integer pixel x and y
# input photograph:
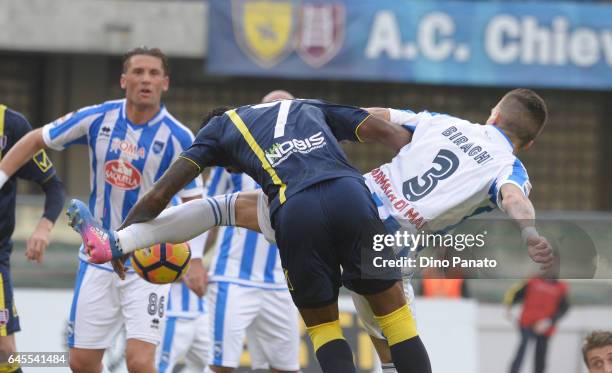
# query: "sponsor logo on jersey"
{"type": "Point", "coordinates": [122, 174]}
{"type": "Point", "coordinates": [264, 29]}
{"type": "Point", "coordinates": [105, 131]}
{"type": "Point", "coordinates": [128, 148]}
{"type": "Point", "coordinates": [42, 160]}
{"type": "Point", "coordinates": [158, 146]}
{"type": "Point", "coordinates": [401, 205]}
{"type": "Point", "coordinates": [278, 152]}
{"type": "Point", "coordinates": [321, 33]}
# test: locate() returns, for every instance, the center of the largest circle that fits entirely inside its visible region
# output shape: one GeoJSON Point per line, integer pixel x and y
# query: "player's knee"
{"type": "Point", "coordinates": [140, 363]}
{"type": "Point", "coordinates": [80, 364]}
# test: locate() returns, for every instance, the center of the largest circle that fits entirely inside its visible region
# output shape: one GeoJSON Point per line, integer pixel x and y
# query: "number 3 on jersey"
{"type": "Point", "coordinates": [447, 163]}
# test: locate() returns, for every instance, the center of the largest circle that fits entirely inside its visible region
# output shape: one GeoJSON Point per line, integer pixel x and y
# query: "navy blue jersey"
{"type": "Point", "coordinates": [13, 126]}
{"type": "Point", "coordinates": [285, 145]}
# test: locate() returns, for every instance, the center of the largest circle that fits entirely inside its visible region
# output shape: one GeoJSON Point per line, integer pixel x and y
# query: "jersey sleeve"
{"type": "Point", "coordinates": [70, 129]}
{"type": "Point", "coordinates": [206, 148]}
{"type": "Point", "coordinates": [344, 121]}
{"type": "Point", "coordinates": [183, 138]}
{"type": "Point", "coordinates": [38, 169]}
{"type": "Point", "coordinates": [407, 118]}
{"type": "Point", "coordinates": [512, 174]}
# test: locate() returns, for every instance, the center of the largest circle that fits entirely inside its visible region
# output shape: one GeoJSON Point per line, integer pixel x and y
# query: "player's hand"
{"type": "Point", "coordinates": [119, 266]}
{"type": "Point", "coordinates": [196, 278]}
{"type": "Point", "coordinates": [540, 251]}
{"type": "Point", "coordinates": [38, 241]}
{"type": "Point", "coordinates": [542, 326]}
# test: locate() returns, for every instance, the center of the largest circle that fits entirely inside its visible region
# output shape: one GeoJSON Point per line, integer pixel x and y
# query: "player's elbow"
{"type": "Point", "coordinates": [511, 201]}
{"type": "Point", "coordinates": [35, 139]}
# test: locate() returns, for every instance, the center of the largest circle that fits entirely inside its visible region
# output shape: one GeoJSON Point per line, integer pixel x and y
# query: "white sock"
{"type": "Point", "coordinates": [180, 223]}
{"type": "Point", "coordinates": [388, 368]}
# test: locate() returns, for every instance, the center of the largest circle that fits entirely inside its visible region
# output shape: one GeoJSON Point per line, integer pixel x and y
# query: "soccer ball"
{"type": "Point", "coordinates": [162, 263]}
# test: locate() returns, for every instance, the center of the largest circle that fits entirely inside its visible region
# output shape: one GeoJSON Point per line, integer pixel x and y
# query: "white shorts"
{"type": "Point", "coordinates": [184, 339]}
{"type": "Point", "coordinates": [367, 316]}
{"type": "Point", "coordinates": [102, 303]}
{"type": "Point", "coordinates": [268, 318]}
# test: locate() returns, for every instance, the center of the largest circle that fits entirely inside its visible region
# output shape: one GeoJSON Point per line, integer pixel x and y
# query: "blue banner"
{"type": "Point", "coordinates": [565, 45]}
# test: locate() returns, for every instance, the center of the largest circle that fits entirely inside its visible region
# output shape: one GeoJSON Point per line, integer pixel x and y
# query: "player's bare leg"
{"type": "Point", "coordinates": [86, 360]}
{"type": "Point", "coordinates": [246, 210]}
{"type": "Point", "coordinates": [398, 325]}
{"type": "Point", "coordinates": [140, 356]}
{"type": "Point", "coordinates": [382, 349]}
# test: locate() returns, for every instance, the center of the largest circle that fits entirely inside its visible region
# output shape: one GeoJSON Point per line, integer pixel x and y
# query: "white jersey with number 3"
{"type": "Point", "coordinates": [451, 170]}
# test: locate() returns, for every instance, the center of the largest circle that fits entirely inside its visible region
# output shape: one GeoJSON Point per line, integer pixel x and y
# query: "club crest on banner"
{"type": "Point", "coordinates": [320, 32]}
{"type": "Point", "coordinates": [264, 29]}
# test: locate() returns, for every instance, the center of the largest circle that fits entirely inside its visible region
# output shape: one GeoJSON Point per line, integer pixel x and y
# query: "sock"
{"type": "Point", "coordinates": [180, 223]}
{"type": "Point", "coordinates": [407, 350]}
{"type": "Point", "coordinates": [388, 368]}
{"type": "Point", "coordinates": [332, 350]}
{"type": "Point", "coordinates": [410, 356]}
{"type": "Point", "coordinates": [397, 326]}
{"type": "Point", "coordinates": [336, 357]}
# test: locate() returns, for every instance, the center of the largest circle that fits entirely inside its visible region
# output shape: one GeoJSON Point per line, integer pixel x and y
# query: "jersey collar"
{"type": "Point", "coordinates": [498, 135]}
{"type": "Point", "coordinates": [156, 118]}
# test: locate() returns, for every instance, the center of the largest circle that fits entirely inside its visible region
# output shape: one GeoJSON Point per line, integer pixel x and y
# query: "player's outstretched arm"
{"type": "Point", "coordinates": [20, 154]}
{"type": "Point", "coordinates": [55, 196]}
{"type": "Point", "coordinates": [180, 173]}
{"type": "Point", "coordinates": [521, 210]}
{"type": "Point", "coordinates": [377, 128]}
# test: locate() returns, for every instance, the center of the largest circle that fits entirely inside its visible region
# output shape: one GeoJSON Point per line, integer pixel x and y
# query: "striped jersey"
{"type": "Point", "coordinates": [242, 256]}
{"type": "Point", "coordinates": [452, 169]}
{"type": "Point", "coordinates": [184, 303]}
{"type": "Point", "coordinates": [125, 159]}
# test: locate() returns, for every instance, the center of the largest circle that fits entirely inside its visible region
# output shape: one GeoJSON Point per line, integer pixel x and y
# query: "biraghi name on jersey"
{"type": "Point", "coordinates": [469, 147]}
{"type": "Point", "coordinates": [278, 152]}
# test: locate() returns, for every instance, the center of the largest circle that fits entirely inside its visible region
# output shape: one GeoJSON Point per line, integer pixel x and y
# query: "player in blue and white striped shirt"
{"type": "Point", "coordinates": [131, 144]}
